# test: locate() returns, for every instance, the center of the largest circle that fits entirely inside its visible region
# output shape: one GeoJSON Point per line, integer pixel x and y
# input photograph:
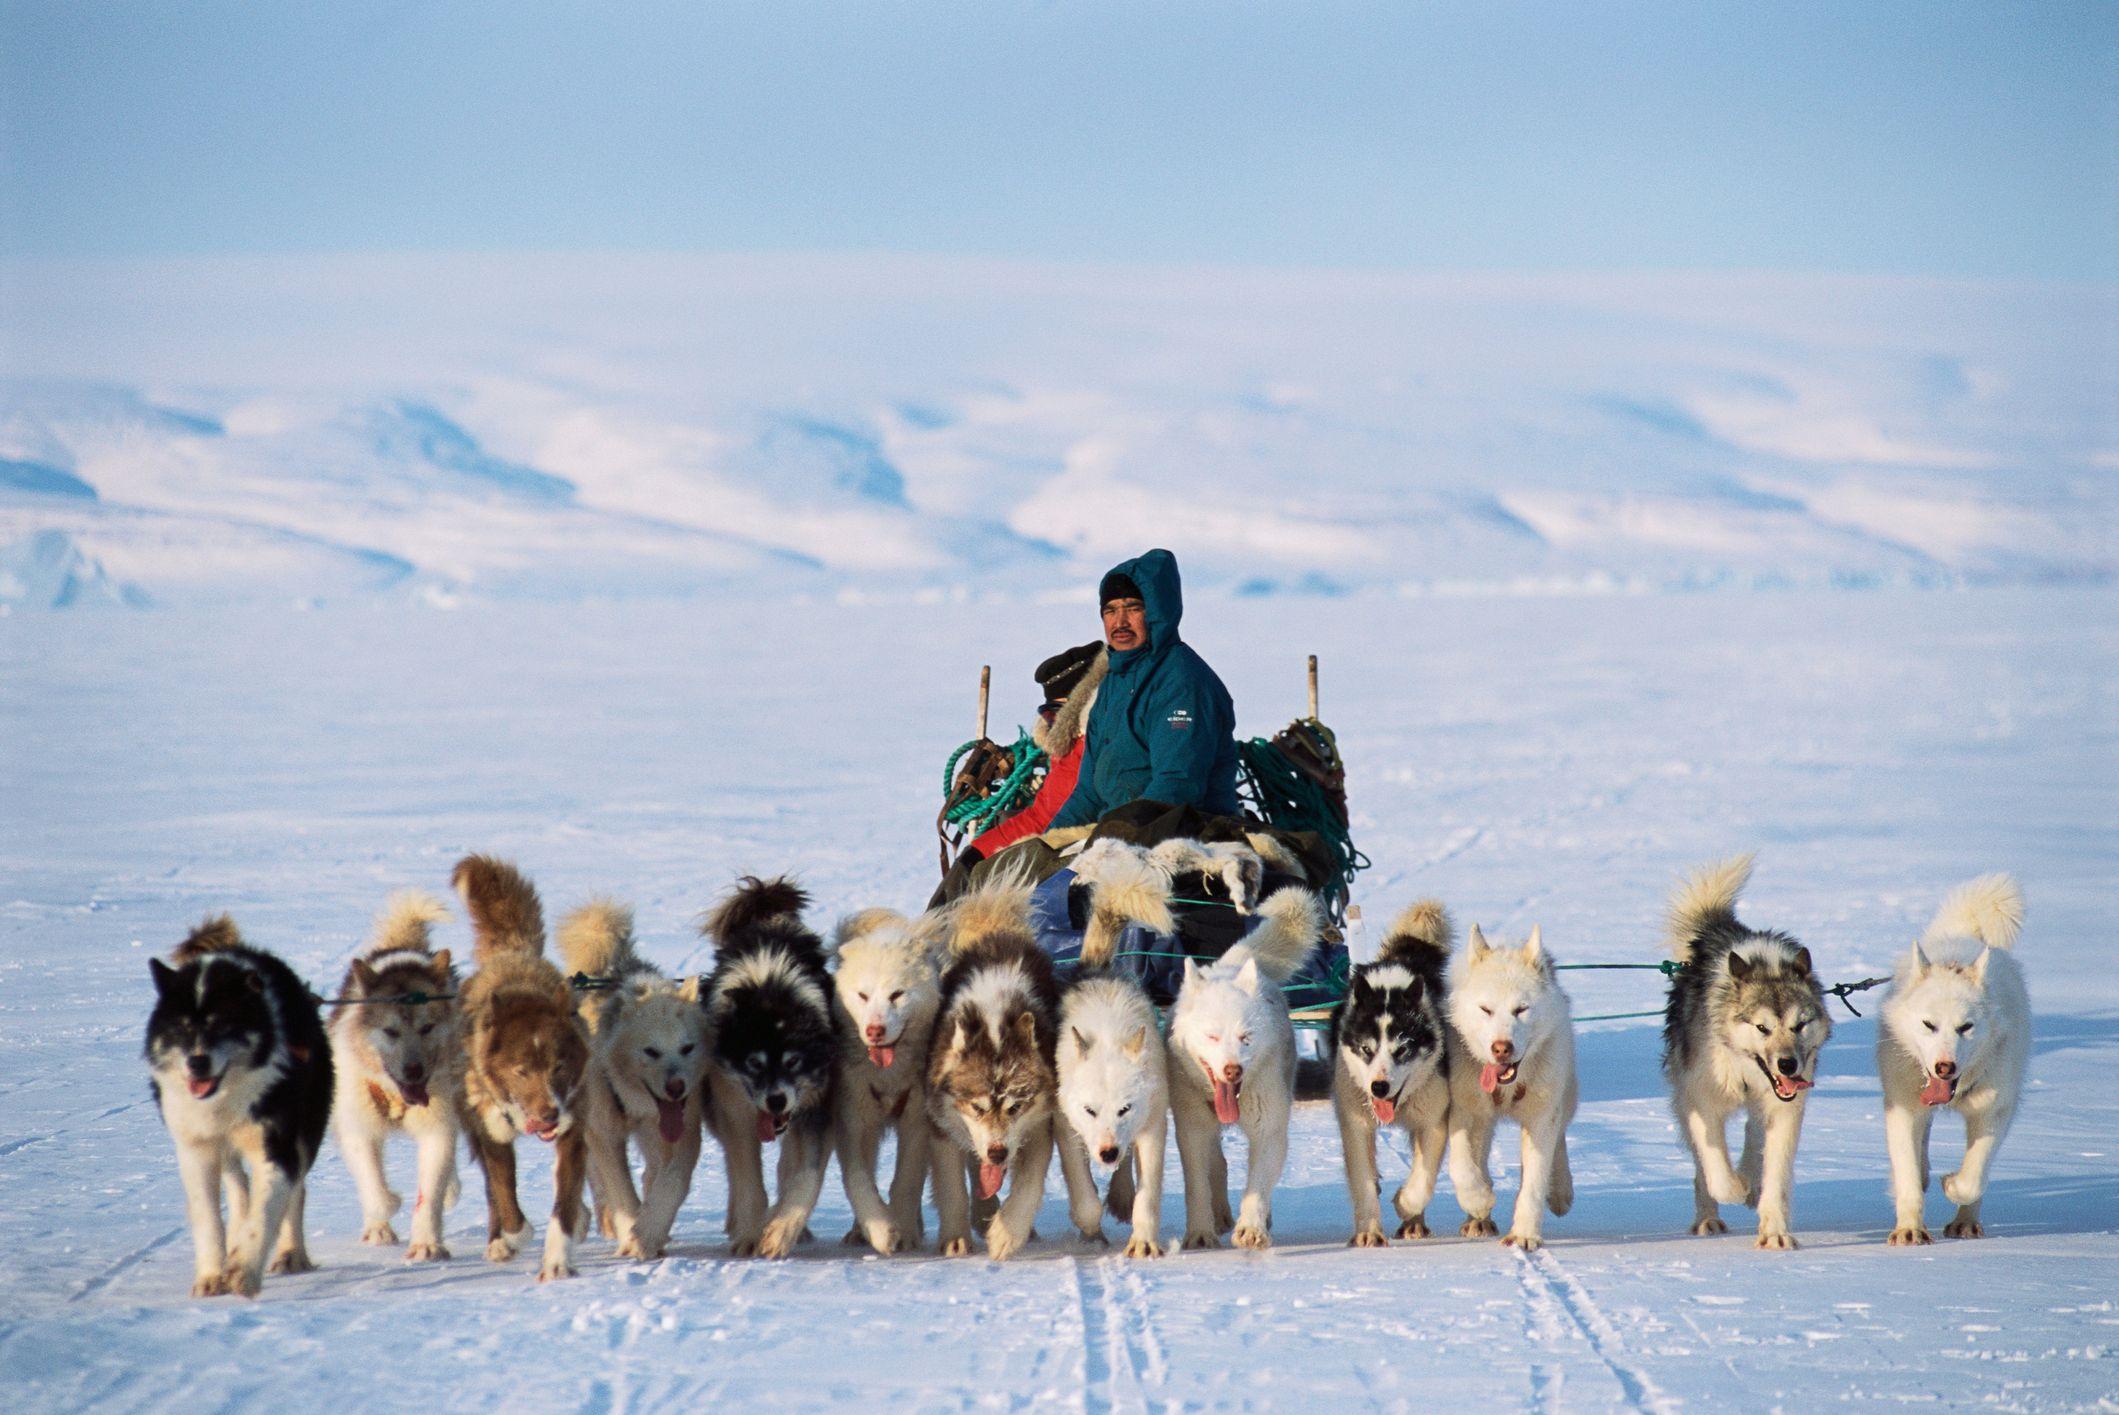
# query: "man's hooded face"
{"type": "Point", "coordinates": [1126, 622]}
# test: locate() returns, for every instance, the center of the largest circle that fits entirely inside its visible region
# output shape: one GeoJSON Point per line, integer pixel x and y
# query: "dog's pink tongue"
{"type": "Point", "coordinates": [766, 1131]}
{"type": "Point", "coordinates": [201, 1087]}
{"type": "Point", "coordinates": [1386, 1111]}
{"type": "Point", "coordinates": [1225, 1109]}
{"type": "Point", "coordinates": [413, 1094]}
{"type": "Point", "coordinates": [1936, 1092]}
{"type": "Point", "coordinates": [883, 1056]}
{"type": "Point", "coordinates": [990, 1177]}
{"type": "Point", "coordinates": [671, 1114]}
{"type": "Point", "coordinates": [1490, 1078]}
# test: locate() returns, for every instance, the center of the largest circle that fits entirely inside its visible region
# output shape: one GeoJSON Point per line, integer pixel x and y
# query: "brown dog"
{"type": "Point", "coordinates": [525, 1056]}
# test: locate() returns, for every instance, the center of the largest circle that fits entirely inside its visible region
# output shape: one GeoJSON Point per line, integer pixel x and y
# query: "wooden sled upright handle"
{"type": "Point", "coordinates": [985, 691]}
{"type": "Point", "coordinates": [1313, 687]}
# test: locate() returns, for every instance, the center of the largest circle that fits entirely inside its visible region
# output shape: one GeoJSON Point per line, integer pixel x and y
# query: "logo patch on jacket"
{"type": "Point", "coordinates": [1181, 718]}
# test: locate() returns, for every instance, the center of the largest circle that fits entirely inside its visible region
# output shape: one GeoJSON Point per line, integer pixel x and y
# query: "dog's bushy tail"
{"type": "Point", "coordinates": [1424, 927]}
{"type": "Point", "coordinates": [215, 935]}
{"type": "Point", "coordinates": [506, 916]}
{"type": "Point", "coordinates": [755, 901]}
{"type": "Point", "coordinates": [1989, 909]}
{"type": "Point", "coordinates": [1000, 905]}
{"type": "Point", "coordinates": [1128, 890]}
{"type": "Point", "coordinates": [1290, 922]}
{"type": "Point", "coordinates": [863, 922]}
{"type": "Point", "coordinates": [597, 939]}
{"type": "Point", "coordinates": [406, 923]}
{"type": "Point", "coordinates": [1704, 898]}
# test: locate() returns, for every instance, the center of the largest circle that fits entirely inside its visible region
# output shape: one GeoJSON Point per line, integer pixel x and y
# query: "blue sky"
{"type": "Point", "coordinates": [1927, 138]}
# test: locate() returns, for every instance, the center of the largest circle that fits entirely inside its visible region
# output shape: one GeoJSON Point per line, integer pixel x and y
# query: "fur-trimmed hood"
{"type": "Point", "coordinates": [1058, 736]}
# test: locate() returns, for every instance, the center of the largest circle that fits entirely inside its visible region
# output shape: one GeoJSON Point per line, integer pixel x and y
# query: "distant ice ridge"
{"type": "Point", "coordinates": [443, 428]}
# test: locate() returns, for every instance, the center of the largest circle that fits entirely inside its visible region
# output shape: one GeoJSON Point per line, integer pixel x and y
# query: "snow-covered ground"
{"type": "Point", "coordinates": [276, 429]}
{"type": "Point", "coordinates": [1547, 758]}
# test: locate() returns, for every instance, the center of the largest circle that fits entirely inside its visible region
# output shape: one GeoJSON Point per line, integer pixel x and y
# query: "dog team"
{"type": "Point", "coordinates": [955, 1033]}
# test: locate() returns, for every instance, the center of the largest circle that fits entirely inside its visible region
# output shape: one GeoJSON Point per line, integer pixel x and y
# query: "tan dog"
{"type": "Point", "coordinates": [648, 1038]}
{"type": "Point", "coordinates": [525, 1057]}
{"type": "Point", "coordinates": [400, 1070]}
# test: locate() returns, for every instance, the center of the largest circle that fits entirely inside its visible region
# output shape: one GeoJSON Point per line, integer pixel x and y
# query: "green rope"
{"type": "Point", "coordinates": [1289, 800]}
{"type": "Point", "coordinates": [1009, 795]}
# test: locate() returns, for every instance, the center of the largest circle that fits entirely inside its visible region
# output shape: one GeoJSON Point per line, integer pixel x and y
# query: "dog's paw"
{"type": "Point", "coordinates": [1481, 1227]}
{"type": "Point", "coordinates": [956, 1247]}
{"type": "Point", "coordinates": [1253, 1236]}
{"type": "Point", "coordinates": [1957, 1191]}
{"type": "Point", "coordinates": [1001, 1245]}
{"type": "Point", "coordinates": [883, 1237]}
{"type": "Point", "coordinates": [855, 1237]}
{"type": "Point", "coordinates": [1708, 1227]}
{"type": "Point", "coordinates": [1731, 1190]}
{"type": "Point", "coordinates": [1202, 1239]}
{"type": "Point", "coordinates": [427, 1253]}
{"type": "Point", "coordinates": [292, 1260]}
{"type": "Point", "coordinates": [555, 1270]}
{"type": "Point", "coordinates": [1962, 1227]}
{"type": "Point", "coordinates": [1910, 1236]}
{"type": "Point", "coordinates": [1779, 1240]}
{"type": "Point", "coordinates": [210, 1285]}
{"type": "Point", "coordinates": [1368, 1238]}
{"type": "Point", "coordinates": [379, 1234]}
{"type": "Point", "coordinates": [743, 1247]}
{"type": "Point", "coordinates": [1415, 1227]}
{"type": "Point", "coordinates": [1139, 1246]}
{"type": "Point", "coordinates": [605, 1224]}
{"type": "Point", "coordinates": [781, 1238]}
{"type": "Point", "coordinates": [1525, 1242]}
{"type": "Point", "coordinates": [238, 1281]}
{"type": "Point", "coordinates": [639, 1249]}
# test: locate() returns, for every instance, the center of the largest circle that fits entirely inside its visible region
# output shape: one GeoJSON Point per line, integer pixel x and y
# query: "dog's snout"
{"type": "Point", "coordinates": [200, 1065]}
{"type": "Point", "coordinates": [777, 1102]}
{"type": "Point", "coordinates": [1230, 1071]}
{"type": "Point", "coordinates": [996, 1154]}
{"type": "Point", "coordinates": [1108, 1154]}
{"type": "Point", "coordinates": [1380, 1089]}
{"type": "Point", "coordinates": [1788, 1065]}
{"type": "Point", "coordinates": [415, 1072]}
{"type": "Point", "coordinates": [1946, 1069]}
{"type": "Point", "coordinates": [674, 1088]}
{"type": "Point", "coordinates": [1504, 1049]}
{"type": "Point", "coordinates": [873, 1032]}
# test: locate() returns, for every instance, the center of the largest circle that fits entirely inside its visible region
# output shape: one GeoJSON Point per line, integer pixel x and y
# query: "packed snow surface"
{"type": "Point", "coordinates": [545, 426]}
{"type": "Point", "coordinates": [1547, 759]}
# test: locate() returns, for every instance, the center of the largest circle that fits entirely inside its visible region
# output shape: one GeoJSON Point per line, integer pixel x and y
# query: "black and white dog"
{"type": "Point", "coordinates": [1390, 1042]}
{"type": "Point", "coordinates": [774, 1049]}
{"type": "Point", "coordinates": [241, 1067]}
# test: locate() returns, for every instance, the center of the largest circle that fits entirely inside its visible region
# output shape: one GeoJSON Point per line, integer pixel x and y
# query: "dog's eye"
{"type": "Point", "coordinates": [1213, 1036]}
{"type": "Point", "coordinates": [1125, 1110]}
{"type": "Point", "coordinates": [1487, 1010]}
{"type": "Point", "coordinates": [1244, 1040]}
{"type": "Point", "coordinates": [1521, 1010]}
{"type": "Point", "coordinates": [424, 1031]}
{"type": "Point", "coordinates": [652, 1053]}
{"type": "Point", "coordinates": [862, 996]}
{"type": "Point", "coordinates": [1014, 1106]}
{"type": "Point", "coordinates": [1929, 1025]}
{"type": "Point", "coordinates": [1966, 1027]}
{"type": "Point", "coordinates": [392, 1033]}
{"type": "Point", "coordinates": [1764, 1030]}
{"type": "Point", "coordinates": [1092, 1111]}
{"type": "Point", "coordinates": [1367, 1052]}
{"type": "Point", "coordinates": [898, 996]}
{"type": "Point", "coordinates": [686, 1049]}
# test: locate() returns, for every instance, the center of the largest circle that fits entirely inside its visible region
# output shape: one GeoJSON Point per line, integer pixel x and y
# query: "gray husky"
{"type": "Point", "coordinates": [1742, 1028]}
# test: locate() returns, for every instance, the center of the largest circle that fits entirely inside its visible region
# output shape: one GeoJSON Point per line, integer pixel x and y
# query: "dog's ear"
{"type": "Point", "coordinates": [1247, 976]}
{"type": "Point", "coordinates": [1414, 988]}
{"type": "Point", "coordinates": [1478, 944]}
{"type": "Point", "coordinates": [689, 988]}
{"type": "Point", "coordinates": [1138, 1042]}
{"type": "Point", "coordinates": [1920, 960]}
{"type": "Point", "coordinates": [1191, 971]}
{"type": "Point", "coordinates": [1534, 946]}
{"type": "Point", "coordinates": [440, 964]}
{"type": "Point", "coordinates": [165, 976]}
{"type": "Point", "coordinates": [1740, 967]}
{"type": "Point", "coordinates": [1026, 1026]}
{"type": "Point", "coordinates": [1082, 1043]}
{"type": "Point", "coordinates": [1979, 965]}
{"type": "Point", "coordinates": [255, 980]}
{"type": "Point", "coordinates": [1801, 963]}
{"type": "Point", "coordinates": [363, 977]}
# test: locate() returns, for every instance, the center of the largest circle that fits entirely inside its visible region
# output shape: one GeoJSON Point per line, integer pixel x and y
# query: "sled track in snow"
{"type": "Point", "coordinates": [1120, 1349]}
{"type": "Point", "coordinates": [1554, 1292]}
{"type": "Point", "coordinates": [131, 1260]}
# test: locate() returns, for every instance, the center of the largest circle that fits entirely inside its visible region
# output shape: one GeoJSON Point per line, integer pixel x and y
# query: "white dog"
{"type": "Point", "coordinates": [1232, 1061]}
{"type": "Point", "coordinates": [1955, 1031]}
{"type": "Point", "coordinates": [1512, 1053]}
{"type": "Point", "coordinates": [647, 1041]}
{"type": "Point", "coordinates": [886, 987]}
{"type": "Point", "coordinates": [1114, 1093]}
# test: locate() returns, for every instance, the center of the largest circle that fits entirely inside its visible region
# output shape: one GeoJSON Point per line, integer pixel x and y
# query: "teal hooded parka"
{"type": "Point", "coordinates": [1164, 727]}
